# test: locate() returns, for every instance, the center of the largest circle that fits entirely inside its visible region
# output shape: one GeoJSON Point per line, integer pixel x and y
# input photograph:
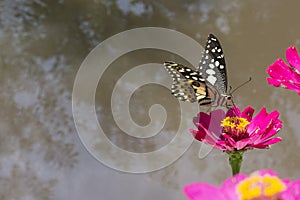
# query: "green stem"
{"type": "Point", "coordinates": [235, 160]}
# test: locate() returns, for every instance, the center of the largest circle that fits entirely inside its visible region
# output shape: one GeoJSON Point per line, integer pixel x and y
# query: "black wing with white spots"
{"type": "Point", "coordinates": [212, 66]}
{"type": "Point", "coordinates": [187, 85]}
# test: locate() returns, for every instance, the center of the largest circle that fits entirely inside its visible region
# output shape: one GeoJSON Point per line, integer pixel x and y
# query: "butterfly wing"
{"type": "Point", "coordinates": [187, 85]}
{"type": "Point", "coordinates": [212, 66]}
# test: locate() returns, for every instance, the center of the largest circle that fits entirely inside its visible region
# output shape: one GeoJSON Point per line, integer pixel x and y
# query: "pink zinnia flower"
{"type": "Point", "coordinates": [260, 185]}
{"type": "Point", "coordinates": [283, 75]}
{"type": "Point", "coordinates": [236, 130]}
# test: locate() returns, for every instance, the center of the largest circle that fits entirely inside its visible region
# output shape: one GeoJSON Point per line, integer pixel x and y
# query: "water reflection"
{"type": "Point", "coordinates": [44, 42]}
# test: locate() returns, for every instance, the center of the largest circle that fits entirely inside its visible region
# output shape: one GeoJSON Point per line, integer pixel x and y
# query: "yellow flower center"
{"type": "Point", "coordinates": [260, 187]}
{"type": "Point", "coordinates": [238, 123]}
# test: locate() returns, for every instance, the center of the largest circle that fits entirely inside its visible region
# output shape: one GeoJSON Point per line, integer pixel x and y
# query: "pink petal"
{"type": "Point", "coordinates": [248, 113]}
{"type": "Point", "coordinates": [229, 139]}
{"type": "Point", "coordinates": [235, 111]}
{"type": "Point", "coordinates": [286, 76]}
{"type": "Point", "coordinates": [203, 136]}
{"type": "Point", "coordinates": [267, 122]}
{"type": "Point", "coordinates": [225, 146]}
{"type": "Point", "coordinates": [204, 118]}
{"type": "Point", "coordinates": [291, 86]}
{"type": "Point", "coordinates": [257, 120]}
{"type": "Point", "coordinates": [293, 58]}
{"type": "Point", "coordinates": [279, 70]}
{"type": "Point", "coordinates": [267, 143]}
{"type": "Point", "coordinates": [274, 82]}
{"type": "Point", "coordinates": [241, 144]}
{"type": "Point", "coordinates": [212, 121]}
{"type": "Point", "coordinates": [287, 84]}
{"type": "Point", "coordinates": [203, 191]}
{"type": "Point", "coordinates": [292, 192]}
{"type": "Point", "coordinates": [216, 118]}
{"type": "Point", "coordinates": [273, 131]}
{"type": "Point", "coordinates": [262, 120]}
{"type": "Point", "coordinates": [252, 139]}
{"type": "Point", "coordinates": [229, 186]}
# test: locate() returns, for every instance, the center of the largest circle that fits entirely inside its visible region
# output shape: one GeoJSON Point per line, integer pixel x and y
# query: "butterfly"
{"type": "Point", "coordinates": [208, 85]}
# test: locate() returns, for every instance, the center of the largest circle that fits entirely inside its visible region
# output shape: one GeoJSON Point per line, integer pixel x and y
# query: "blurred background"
{"type": "Point", "coordinates": [43, 44]}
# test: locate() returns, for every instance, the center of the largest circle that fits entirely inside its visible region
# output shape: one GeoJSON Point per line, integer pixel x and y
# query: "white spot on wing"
{"type": "Point", "coordinates": [211, 66]}
{"type": "Point", "coordinates": [210, 71]}
{"type": "Point", "coordinates": [212, 79]}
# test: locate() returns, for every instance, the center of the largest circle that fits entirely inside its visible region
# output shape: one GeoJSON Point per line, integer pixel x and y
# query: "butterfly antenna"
{"type": "Point", "coordinates": [240, 85]}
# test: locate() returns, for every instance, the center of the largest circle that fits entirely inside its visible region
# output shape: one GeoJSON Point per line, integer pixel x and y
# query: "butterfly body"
{"type": "Point", "coordinates": [208, 85]}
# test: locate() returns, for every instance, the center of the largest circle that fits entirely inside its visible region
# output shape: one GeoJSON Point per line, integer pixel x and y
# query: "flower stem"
{"type": "Point", "coordinates": [235, 160]}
